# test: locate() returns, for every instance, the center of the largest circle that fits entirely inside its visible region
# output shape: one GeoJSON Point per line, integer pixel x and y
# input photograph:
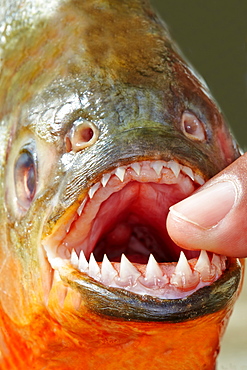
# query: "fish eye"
{"type": "Point", "coordinates": [82, 135]}
{"type": "Point", "coordinates": [192, 127]}
{"type": "Point", "coordinates": [25, 177]}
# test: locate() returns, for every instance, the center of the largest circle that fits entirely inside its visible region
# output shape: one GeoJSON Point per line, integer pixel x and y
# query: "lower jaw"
{"type": "Point", "coordinates": [79, 293]}
{"type": "Point", "coordinates": [95, 317]}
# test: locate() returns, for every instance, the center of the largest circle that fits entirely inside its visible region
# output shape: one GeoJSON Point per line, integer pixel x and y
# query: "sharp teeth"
{"type": "Point", "coordinates": [174, 166]}
{"type": "Point", "coordinates": [93, 190]}
{"type": "Point", "coordinates": [56, 277]}
{"type": "Point", "coordinates": [183, 266]}
{"type": "Point", "coordinates": [128, 271]}
{"type": "Point", "coordinates": [83, 264]}
{"type": "Point", "coordinates": [157, 166]}
{"type": "Point", "coordinates": [202, 262]}
{"type": "Point", "coordinates": [105, 179]}
{"type": "Point", "coordinates": [199, 179]}
{"type": "Point", "coordinates": [57, 262]}
{"type": "Point", "coordinates": [216, 261]}
{"type": "Point", "coordinates": [94, 270]}
{"type": "Point", "coordinates": [153, 270]}
{"type": "Point", "coordinates": [108, 273]}
{"type": "Point", "coordinates": [188, 171]}
{"type": "Point", "coordinates": [120, 172]}
{"type": "Point", "coordinates": [182, 272]}
{"type": "Point", "coordinates": [80, 209]}
{"type": "Point", "coordinates": [223, 260]}
{"type": "Point", "coordinates": [183, 276]}
{"type": "Point", "coordinates": [74, 259]}
{"type": "Point", "coordinates": [203, 266]}
{"type": "Point", "coordinates": [136, 167]}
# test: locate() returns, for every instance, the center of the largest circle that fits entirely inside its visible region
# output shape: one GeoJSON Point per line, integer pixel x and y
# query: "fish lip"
{"type": "Point", "coordinates": [121, 304]}
{"type": "Point", "coordinates": [89, 288]}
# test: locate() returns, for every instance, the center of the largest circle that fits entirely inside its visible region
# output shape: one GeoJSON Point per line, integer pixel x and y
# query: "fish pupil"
{"type": "Point", "coordinates": [25, 179]}
{"type": "Point", "coordinates": [30, 182]}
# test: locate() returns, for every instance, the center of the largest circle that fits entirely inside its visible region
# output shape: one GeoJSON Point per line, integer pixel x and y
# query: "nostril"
{"type": "Point", "coordinates": [82, 135]}
{"type": "Point", "coordinates": [86, 134]}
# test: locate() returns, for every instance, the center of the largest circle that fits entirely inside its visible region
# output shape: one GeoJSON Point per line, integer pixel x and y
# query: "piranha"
{"type": "Point", "coordinates": [104, 126]}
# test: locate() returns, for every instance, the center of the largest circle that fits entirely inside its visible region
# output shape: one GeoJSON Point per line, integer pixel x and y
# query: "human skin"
{"type": "Point", "coordinates": [214, 218]}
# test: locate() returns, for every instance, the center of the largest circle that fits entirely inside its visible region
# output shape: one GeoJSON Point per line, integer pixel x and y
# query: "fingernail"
{"type": "Point", "coordinates": [207, 207]}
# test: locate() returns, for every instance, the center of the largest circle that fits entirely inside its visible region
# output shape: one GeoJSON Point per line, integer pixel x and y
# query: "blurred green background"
{"type": "Point", "coordinates": [212, 34]}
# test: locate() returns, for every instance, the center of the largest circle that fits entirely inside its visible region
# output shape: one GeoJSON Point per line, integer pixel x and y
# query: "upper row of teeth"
{"type": "Point", "coordinates": [157, 166]}
{"type": "Point", "coordinates": [183, 275]}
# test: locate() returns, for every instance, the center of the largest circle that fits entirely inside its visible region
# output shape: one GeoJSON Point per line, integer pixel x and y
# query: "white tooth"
{"type": "Point", "coordinates": [188, 171]}
{"type": "Point", "coordinates": [153, 270]}
{"type": "Point", "coordinates": [80, 209]}
{"type": "Point", "coordinates": [199, 179]}
{"type": "Point", "coordinates": [223, 260]}
{"type": "Point", "coordinates": [136, 167]}
{"type": "Point", "coordinates": [120, 172]}
{"type": "Point", "coordinates": [93, 190]}
{"type": "Point", "coordinates": [108, 273]}
{"type": "Point", "coordinates": [183, 266]}
{"type": "Point", "coordinates": [51, 253]}
{"type": "Point", "coordinates": [175, 167]}
{"type": "Point", "coordinates": [216, 261]}
{"type": "Point", "coordinates": [57, 262]}
{"type": "Point", "coordinates": [74, 259]}
{"type": "Point", "coordinates": [203, 266]}
{"type": "Point", "coordinates": [183, 276]}
{"type": "Point", "coordinates": [127, 270]}
{"type": "Point", "coordinates": [182, 272]}
{"type": "Point", "coordinates": [94, 270]}
{"type": "Point", "coordinates": [83, 264]}
{"type": "Point", "coordinates": [56, 277]}
{"type": "Point", "coordinates": [105, 179]}
{"type": "Point", "coordinates": [157, 166]}
{"type": "Point", "coordinates": [203, 261]}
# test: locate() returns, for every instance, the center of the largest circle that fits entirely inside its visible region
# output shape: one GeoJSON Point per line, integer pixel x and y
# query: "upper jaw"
{"type": "Point", "coordinates": [67, 247]}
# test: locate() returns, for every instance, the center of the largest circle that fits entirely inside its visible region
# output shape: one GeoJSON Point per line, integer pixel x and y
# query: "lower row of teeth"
{"type": "Point", "coordinates": [185, 275]}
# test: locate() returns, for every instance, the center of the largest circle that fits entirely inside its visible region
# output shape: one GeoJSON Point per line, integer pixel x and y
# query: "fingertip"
{"type": "Point", "coordinates": [182, 232]}
{"type": "Point", "coordinates": [230, 242]}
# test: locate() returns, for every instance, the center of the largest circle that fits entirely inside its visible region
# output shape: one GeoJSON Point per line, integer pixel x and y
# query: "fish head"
{"type": "Point", "coordinates": [105, 126]}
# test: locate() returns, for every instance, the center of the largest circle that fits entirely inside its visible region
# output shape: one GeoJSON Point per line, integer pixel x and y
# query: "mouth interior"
{"type": "Point", "coordinates": [118, 234]}
{"type": "Point", "coordinates": [133, 222]}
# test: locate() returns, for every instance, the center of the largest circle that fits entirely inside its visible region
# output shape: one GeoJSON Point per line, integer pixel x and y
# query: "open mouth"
{"type": "Point", "coordinates": [118, 234]}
